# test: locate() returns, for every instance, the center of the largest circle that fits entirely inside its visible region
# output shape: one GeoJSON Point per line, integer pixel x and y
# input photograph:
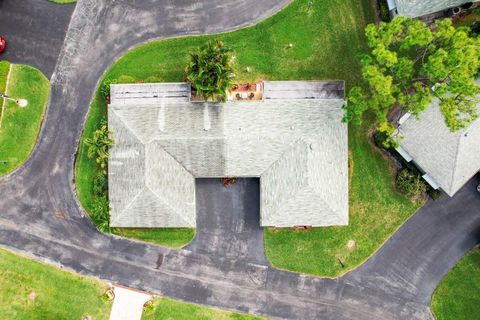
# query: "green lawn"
{"type": "Point", "coordinates": [327, 37]}
{"type": "Point", "coordinates": [167, 309]}
{"type": "Point", "coordinates": [458, 295]}
{"type": "Point", "coordinates": [173, 237]}
{"type": "Point", "coordinates": [63, 1]}
{"type": "Point", "coordinates": [20, 126]}
{"type": "Point", "coordinates": [32, 290]}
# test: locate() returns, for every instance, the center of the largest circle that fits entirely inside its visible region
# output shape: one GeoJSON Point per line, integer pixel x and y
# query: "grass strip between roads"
{"type": "Point", "coordinates": [458, 295]}
{"type": "Point", "coordinates": [20, 126]}
{"type": "Point", "coordinates": [63, 1]}
{"type": "Point", "coordinates": [327, 37]}
{"type": "Point", "coordinates": [165, 308]}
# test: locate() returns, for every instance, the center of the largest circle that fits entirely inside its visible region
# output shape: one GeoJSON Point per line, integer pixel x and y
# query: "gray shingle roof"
{"type": "Point", "coordinates": [298, 148]}
{"type": "Point", "coordinates": [418, 8]}
{"type": "Point", "coordinates": [449, 158]}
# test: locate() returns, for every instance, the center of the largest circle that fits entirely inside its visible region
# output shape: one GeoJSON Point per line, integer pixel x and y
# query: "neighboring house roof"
{"type": "Point", "coordinates": [418, 8]}
{"type": "Point", "coordinates": [298, 147]}
{"type": "Point", "coordinates": [449, 158]}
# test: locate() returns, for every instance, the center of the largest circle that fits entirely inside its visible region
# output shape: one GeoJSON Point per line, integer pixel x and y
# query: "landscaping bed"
{"type": "Point", "coordinates": [33, 290]}
{"type": "Point", "coordinates": [324, 45]}
{"type": "Point", "coordinates": [20, 126]}
{"type": "Point", "coordinates": [457, 297]}
{"type": "Point", "coordinates": [164, 308]}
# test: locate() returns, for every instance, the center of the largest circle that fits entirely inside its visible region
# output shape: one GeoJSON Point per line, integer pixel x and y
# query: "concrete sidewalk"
{"type": "Point", "coordinates": [128, 304]}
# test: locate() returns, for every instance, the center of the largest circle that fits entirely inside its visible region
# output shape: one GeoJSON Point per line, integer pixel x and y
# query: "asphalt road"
{"type": "Point", "coordinates": [35, 31]}
{"type": "Point", "coordinates": [41, 217]}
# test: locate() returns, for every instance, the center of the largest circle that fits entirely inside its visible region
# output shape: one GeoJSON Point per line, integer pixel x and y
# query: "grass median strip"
{"type": "Point", "coordinates": [63, 1]}
{"type": "Point", "coordinates": [164, 308]}
{"type": "Point", "coordinates": [20, 126]}
{"type": "Point", "coordinates": [326, 38]}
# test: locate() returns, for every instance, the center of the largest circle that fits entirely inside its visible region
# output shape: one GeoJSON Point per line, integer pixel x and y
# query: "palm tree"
{"type": "Point", "coordinates": [99, 143]}
{"type": "Point", "coordinates": [210, 70]}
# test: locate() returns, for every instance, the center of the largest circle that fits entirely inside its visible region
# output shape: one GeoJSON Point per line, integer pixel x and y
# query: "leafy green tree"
{"type": "Point", "coordinates": [210, 70]}
{"type": "Point", "coordinates": [410, 65]}
{"type": "Point", "coordinates": [99, 143]}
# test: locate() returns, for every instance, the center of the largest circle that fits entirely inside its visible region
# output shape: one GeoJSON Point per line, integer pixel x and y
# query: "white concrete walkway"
{"type": "Point", "coordinates": [128, 304]}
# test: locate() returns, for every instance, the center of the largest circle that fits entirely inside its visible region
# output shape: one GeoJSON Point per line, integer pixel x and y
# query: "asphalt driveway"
{"type": "Point", "coordinates": [228, 220]}
{"type": "Point", "coordinates": [35, 30]}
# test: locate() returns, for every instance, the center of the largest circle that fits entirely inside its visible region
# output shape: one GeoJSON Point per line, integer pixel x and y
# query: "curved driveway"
{"type": "Point", "coordinates": [41, 217]}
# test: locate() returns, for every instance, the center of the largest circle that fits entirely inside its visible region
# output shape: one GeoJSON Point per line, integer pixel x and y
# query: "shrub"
{"type": "Point", "coordinates": [126, 79]}
{"type": "Point", "coordinates": [475, 28]}
{"type": "Point", "coordinates": [105, 87]}
{"type": "Point", "coordinates": [100, 183]}
{"type": "Point", "coordinates": [385, 136]}
{"type": "Point", "coordinates": [148, 307]}
{"type": "Point", "coordinates": [435, 194]}
{"type": "Point", "coordinates": [98, 145]}
{"type": "Point", "coordinates": [381, 139]}
{"type": "Point", "coordinates": [153, 79]}
{"type": "Point", "coordinates": [410, 183]}
{"type": "Point", "coordinates": [384, 12]}
{"type": "Point", "coordinates": [210, 70]}
{"type": "Point", "coordinates": [101, 213]}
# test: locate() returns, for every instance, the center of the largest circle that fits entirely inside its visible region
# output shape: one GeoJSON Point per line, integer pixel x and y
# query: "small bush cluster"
{"type": "Point", "coordinates": [410, 184]}
{"type": "Point", "coordinates": [100, 184]}
{"type": "Point", "coordinates": [100, 213]}
{"type": "Point", "coordinates": [105, 87]}
{"type": "Point", "coordinates": [384, 12]}
{"type": "Point", "coordinates": [434, 194]}
{"type": "Point", "coordinates": [98, 148]}
{"type": "Point", "coordinates": [381, 139]}
{"type": "Point", "coordinates": [126, 79]}
{"type": "Point", "coordinates": [99, 143]}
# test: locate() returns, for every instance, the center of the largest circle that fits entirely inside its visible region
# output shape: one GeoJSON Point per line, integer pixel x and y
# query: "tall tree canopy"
{"type": "Point", "coordinates": [210, 70]}
{"type": "Point", "coordinates": [410, 65]}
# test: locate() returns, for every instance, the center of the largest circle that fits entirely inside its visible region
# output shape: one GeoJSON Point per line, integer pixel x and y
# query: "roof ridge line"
{"type": "Point", "coordinates": [277, 160]}
{"type": "Point", "coordinates": [126, 126]}
{"type": "Point", "coordinates": [167, 204]}
{"type": "Point", "coordinates": [322, 199]}
{"type": "Point", "coordinates": [129, 204]}
{"type": "Point", "coordinates": [281, 156]}
{"type": "Point", "coordinates": [454, 171]}
{"type": "Point", "coordinates": [174, 158]}
{"type": "Point", "coordinates": [314, 193]}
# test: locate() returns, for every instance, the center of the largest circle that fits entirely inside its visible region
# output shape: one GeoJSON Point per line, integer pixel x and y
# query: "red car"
{"type": "Point", "coordinates": [3, 44]}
